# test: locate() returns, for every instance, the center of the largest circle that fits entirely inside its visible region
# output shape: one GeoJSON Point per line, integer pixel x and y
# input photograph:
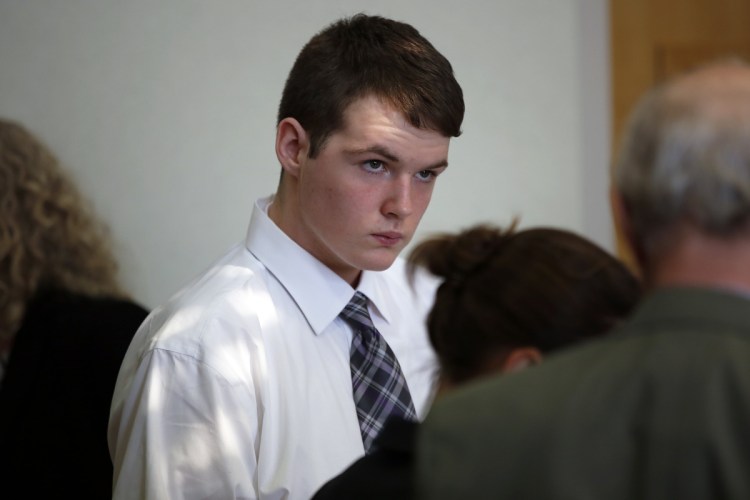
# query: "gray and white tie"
{"type": "Point", "coordinates": [378, 384]}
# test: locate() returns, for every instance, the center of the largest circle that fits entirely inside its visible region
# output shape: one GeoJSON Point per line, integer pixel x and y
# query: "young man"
{"type": "Point", "coordinates": [659, 408]}
{"type": "Point", "coordinates": [248, 383]}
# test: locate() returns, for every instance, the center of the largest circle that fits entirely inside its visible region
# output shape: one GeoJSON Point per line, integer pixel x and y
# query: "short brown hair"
{"type": "Point", "coordinates": [370, 55]}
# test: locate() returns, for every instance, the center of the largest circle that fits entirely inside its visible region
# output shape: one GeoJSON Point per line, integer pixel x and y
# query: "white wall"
{"type": "Point", "coordinates": [165, 112]}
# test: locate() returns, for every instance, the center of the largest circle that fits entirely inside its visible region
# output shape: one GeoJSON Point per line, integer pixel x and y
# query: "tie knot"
{"type": "Point", "coordinates": [356, 312]}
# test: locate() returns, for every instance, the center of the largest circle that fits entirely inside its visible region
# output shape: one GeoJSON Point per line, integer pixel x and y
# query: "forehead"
{"type": "Point", "coordinates": [371, 106]}
{"type": "Point", "coordinates": [373, 117]}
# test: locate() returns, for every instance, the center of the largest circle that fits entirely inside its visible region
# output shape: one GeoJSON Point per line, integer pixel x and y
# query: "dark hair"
{"type": "Point", "coordinates": [370, 56]}
{"type": "Point", "coordinates": [542, 287]}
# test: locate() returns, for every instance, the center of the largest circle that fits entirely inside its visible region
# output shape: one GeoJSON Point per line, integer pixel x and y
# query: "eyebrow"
{"type": "Point", "coordinates": [385, 153]}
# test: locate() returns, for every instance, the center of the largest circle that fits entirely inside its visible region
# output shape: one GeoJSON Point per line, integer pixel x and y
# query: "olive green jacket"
{"type": "Point", "coordinates": [659, 409]}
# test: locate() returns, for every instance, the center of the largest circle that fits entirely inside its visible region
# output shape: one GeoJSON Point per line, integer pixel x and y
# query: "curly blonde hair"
{"type": "Point", "coordinates": [49, 237]}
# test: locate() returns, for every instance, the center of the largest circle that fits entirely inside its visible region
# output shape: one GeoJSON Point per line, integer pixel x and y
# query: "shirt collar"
{"type": "Point", "coordinates": [318, 292]}
{"type": "Point", "coordinates": [373, 285]}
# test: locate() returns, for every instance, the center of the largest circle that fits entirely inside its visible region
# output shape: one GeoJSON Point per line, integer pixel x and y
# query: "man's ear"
{"type": "Point", "coordinates": [624, 228]}
{"type": "Point", "coordinates": [520, 358]}
{"type": "Point", "coordinates": [292, 145]}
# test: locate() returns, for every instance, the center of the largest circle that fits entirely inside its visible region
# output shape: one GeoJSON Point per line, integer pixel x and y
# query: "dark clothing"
{"type": "Point", "coordinates": [658, 409]}
{"type": "Point", "coordinates": [56, 394]}
{"type": "Point", "coordinates": [386, 473]}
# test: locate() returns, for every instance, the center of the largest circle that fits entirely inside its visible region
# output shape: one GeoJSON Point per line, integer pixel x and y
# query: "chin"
{"type": "Point", "coordinates": [378, 264]}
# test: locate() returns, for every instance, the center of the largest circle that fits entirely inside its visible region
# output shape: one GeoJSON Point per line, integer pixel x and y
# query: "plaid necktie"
{"type": "Point", "coordinates": [379, 386]}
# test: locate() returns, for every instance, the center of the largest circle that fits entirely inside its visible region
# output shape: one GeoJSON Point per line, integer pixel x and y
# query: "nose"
{"type": "Point", "coordinates": [399, 201]}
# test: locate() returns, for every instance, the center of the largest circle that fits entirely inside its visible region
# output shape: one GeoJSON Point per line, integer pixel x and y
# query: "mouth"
{"type": "Point", "coordinates": [388, 238]}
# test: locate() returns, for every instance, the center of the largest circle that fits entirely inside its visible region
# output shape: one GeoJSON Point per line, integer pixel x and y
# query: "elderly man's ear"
{"type": "Point", "coordinates": [624, 227]}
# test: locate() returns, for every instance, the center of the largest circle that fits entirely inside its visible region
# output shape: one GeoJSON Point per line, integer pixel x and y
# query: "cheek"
{"type": "Point", "coordinates": [334, 198]}
{"type": "Point", "coordinates": [332, 207]}
{"type": "Point", "coordinates": [422, 199]}
{"type": "Point", "coordinates": [318, 192]}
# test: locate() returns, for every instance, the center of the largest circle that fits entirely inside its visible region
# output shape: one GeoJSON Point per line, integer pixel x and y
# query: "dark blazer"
{"type": "Point", "coordinates": [659, 409]}
{"type": "Point", "coordinates": [385, 473]}
{"type": "Point", "coordinates": [56, 394]}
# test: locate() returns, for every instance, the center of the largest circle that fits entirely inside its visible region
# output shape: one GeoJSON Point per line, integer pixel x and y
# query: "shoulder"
{"type": "Point", "coordinates": [219, 307]}
{"type": "Point", "coordinates": [533, 397]}
{"type": "Point", "coordinates": [67, 311]}
{"type": "Point", "coordinates": [63, 332]}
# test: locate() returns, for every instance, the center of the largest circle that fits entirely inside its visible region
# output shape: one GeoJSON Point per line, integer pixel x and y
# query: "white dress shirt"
{"type": "Point", "coordinates": [240, 386]}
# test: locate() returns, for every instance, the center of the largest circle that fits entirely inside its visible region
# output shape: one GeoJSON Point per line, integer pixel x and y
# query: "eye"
{"type": "Point", "coordinates": [374, 166]}
{"type": "Point", "coordinates": [426, 175]}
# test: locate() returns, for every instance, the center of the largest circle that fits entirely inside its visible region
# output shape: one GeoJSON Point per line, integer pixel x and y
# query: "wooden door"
{"type": "Point", "coordinates": [654, 39]}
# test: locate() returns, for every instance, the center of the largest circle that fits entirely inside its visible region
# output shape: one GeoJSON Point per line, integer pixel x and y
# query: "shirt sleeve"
{"type": "Point", "coordinates": [186, 431]}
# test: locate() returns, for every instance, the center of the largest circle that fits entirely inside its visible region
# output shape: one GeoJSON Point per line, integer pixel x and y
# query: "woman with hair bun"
{"type": "Point", "coordinates": [65, 324]}
{"type": "Point", "coordinates": [508, 299]}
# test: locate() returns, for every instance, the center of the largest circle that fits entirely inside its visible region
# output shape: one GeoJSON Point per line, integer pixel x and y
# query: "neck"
{"type": "Point", "coordinates": [284, 212]}
{"type": "Point", "coordinates": [275, 210]}
{"type": "Point", "coordinates": [698, 259]}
